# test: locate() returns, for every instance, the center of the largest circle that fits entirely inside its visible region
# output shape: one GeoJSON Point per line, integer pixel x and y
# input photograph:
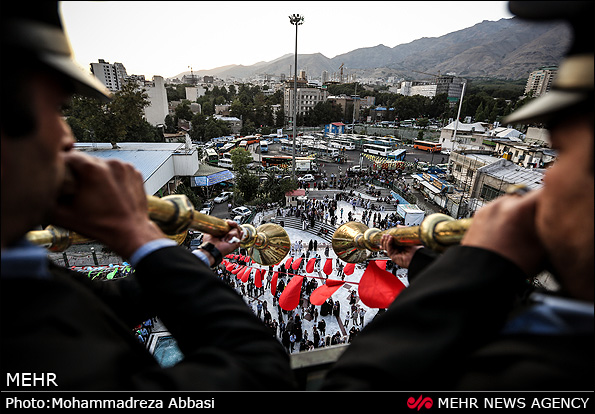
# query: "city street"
{"type": "Point", "coordinates": [353, 158]}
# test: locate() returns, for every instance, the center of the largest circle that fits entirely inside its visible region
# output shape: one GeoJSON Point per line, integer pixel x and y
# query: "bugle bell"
{"type": "Point", "coordinates": [267, 245]}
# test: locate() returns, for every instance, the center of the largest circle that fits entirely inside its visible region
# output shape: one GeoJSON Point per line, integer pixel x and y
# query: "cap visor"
{"type": "Point", "coordinates": [544, 107]}
{"type": "Point", "coordinates": [85, 84]}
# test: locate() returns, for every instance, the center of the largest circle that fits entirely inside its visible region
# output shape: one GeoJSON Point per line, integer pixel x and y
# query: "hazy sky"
{"type": "Point", "coordinates": [167, 37]}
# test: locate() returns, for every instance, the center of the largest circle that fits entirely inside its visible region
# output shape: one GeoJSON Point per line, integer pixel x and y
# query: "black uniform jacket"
{"type": "Point", "coordinates": [81, 330]}
{"type": "Point", "coordinates": [444, 332]}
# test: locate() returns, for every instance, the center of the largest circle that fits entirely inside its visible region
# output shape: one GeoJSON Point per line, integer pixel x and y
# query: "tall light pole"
{"type": "Point", "coordinates": [454, 137]}
{"type": "Point", "coordinates": [296, 20]}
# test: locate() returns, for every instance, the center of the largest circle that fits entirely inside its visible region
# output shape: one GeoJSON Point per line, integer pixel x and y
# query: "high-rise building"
{"type": "Point", "coordinates": [112, 76]}
{"type": "Point", "coordinates": [539, 81]}
{"type": "Point", "coordinates": [157, 110]}
{"type": "Point", "coordinates": [307, 98]}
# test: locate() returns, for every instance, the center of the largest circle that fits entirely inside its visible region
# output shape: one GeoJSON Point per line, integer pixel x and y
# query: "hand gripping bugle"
{"type": "Point", "coordinates": [353, 241]}
{"type": "Point", "coordinates": [267, 245]}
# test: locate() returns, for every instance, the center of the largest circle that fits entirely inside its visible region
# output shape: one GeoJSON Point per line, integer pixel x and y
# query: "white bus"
{"type": "Point", "coordinates": [212, 156]}
{"type": "Point", "coordinates": [323, 151]}
{"type": "Point", "coordinates": [374, 149]}
{"type": "Point", "coordinates": [342, 143]}
{"type": "Point", "coordinates": [225, 161]}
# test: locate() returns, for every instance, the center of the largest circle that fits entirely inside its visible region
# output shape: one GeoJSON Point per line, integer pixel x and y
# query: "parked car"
{"type": "Point", "coordinates": [242, 211]}
{"type": "Point", "coordinates": [207, 207]}
{"type": "Point", "coordinates": [224, 196]}
{"type": "Point", "coordinates": [422, 166]}
{"type": "Point", "coordinates": [306, 178]}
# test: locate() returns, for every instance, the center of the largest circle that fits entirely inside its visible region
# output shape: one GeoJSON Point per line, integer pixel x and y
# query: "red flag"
{"type": "Point", "coordinates": [274, 283]}
{"type": "Point", "coordinates": [290, 297]}
{"type": "Point", "coordinates": [246, 274]}
{"type": "Point", "coordinates": [310, 265]}
{"type": "Point", "coordinates": [328, 266]}
{"type": "Point", "coordinates": [238, 269]}
{"type": "Point", "coordinates": [296, 264]}
{"type": "Point", "coordinates": [348, 269]}
{"type": "Point", "coordinates": [377, 287]}
{"type": "Point", "coordinates": [230, 266]}
{"type": "Point", "coordinates": [258, 278]}
{"type": "Point", "coordinates": [288, 262]}
{"type": "Point", "coordinates": [322, 293]}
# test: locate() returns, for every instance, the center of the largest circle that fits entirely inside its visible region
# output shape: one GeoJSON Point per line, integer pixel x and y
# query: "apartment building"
{"type": "Point", "coordinates": [524, 154]}
{"type": "Point", "coordinates": [111, 75]}
{"type": "Point", "coordinates": [157, 110]}
{"type": "Point", "coordinates": [307, 98]}
{"type": "Point", "coordinates": [540, 81]}
{"type": "Point", "coordinates": [347, 103]}
{"type": "Point", "coordinates": [450, 85]}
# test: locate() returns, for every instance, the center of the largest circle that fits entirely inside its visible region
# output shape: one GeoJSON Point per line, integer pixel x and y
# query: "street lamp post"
{"type": "Point", "coordinates": [296, 20]}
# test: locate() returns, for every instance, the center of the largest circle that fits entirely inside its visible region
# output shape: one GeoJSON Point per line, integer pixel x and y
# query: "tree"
{"type": "Point", "coordinates": [248, 127]}
{"type": "Point", "coordinates": [480, 113]}
{"type": "Point", "coordinates": [197, 131]}
{"type": "Point", "coordinates": [122, 119]}
{"type": "Point", "coordinates": [240, 158]}
{"type": "Point", "coordinates": [170, 124]}
{"type": "Point", "coordinates": [183, 111]}
{"type": "Point", "coordinates": [323, 113]}
{"type": "Point", "coordinates": [186, 190]}
{"type": "Point", "coordinates": [204, 128]}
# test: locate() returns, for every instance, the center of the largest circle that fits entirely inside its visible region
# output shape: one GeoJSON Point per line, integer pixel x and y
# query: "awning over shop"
{"type": "Point", "coordinates": [208, 175]}
{"type": "Point", "coordinates": [430, 187]}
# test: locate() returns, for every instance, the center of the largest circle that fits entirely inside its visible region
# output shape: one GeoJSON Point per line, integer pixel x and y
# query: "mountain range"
{"type": "Point", "coordinates": [505, 49]}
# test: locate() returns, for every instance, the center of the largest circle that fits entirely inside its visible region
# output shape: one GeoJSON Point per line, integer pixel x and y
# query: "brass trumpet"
{"type": "Point", "coordinates": [267, 245]}
{"type": "Point", "coordinates": [353, 241]}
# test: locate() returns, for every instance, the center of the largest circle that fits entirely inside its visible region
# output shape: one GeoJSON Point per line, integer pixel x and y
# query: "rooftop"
{"type": "Point", "coordinates": [514, 174]}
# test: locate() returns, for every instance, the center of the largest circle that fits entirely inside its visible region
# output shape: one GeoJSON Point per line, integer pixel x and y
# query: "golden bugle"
{"type": "Point", "coordinates": [267, 245]}
{"type": "Point", "coordinates": [353, 241]}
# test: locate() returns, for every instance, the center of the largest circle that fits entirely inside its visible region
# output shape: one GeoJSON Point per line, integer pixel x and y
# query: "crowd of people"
{"type": "Point", "coordinates": [288, 325]}
{"type": "Point", "coordinates": [326, 210]}
{"type": "Point", "coordinates": [361, 178]}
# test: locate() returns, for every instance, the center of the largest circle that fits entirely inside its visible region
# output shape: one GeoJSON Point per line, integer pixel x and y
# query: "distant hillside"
{"type": "Point", "coordinates": [505, 49]}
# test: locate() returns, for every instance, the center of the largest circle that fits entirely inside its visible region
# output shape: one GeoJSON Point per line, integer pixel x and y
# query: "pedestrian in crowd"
{"type": "Point", "coordinates": [58, 321]}
{"type": "Point", "coordinates": [259, 309]}
{"type": "Point", "coordinates": [322, 326]}
{"type": "Point", "coordinates": [470, 318]}
{"type": "Point", "coordinates": [362, 314]}
{"type": "Point", "coordinates": [355, 314]}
